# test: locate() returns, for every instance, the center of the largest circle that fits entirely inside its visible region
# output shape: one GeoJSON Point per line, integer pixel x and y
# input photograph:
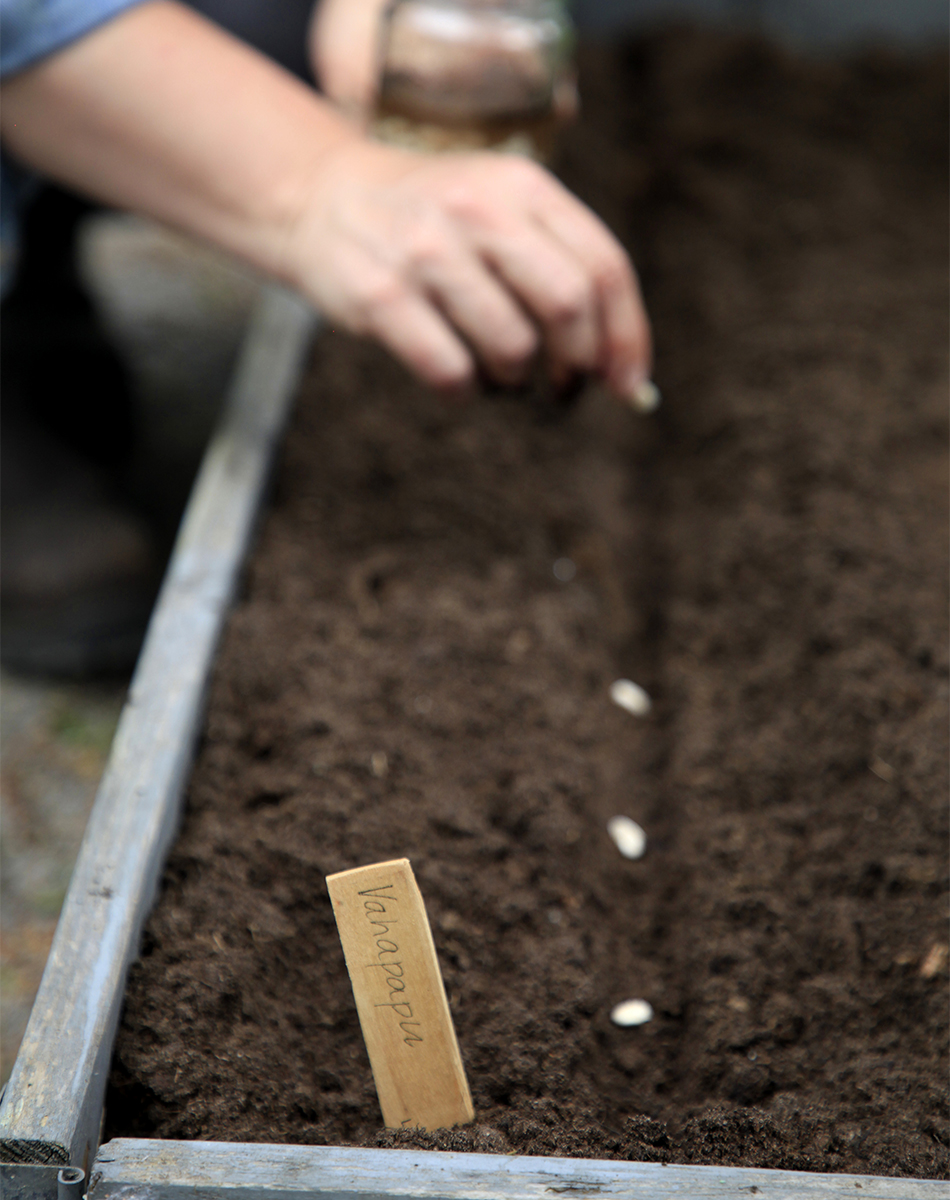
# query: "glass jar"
{"type": "Point", "coordinates": [475, 75]}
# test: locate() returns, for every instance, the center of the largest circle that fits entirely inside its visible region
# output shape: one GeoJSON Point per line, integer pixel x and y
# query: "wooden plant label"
{"type": "Point", "coordinates": [400, 997]}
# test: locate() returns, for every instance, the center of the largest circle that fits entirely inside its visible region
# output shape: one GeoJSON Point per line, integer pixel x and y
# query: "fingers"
{"type": "Point", "coordinates": [569, 272]}
{"type": "Point", "coordinates": [447, 258]}
{"type": "Point", "coordinates": [474, 302]}
{"type": "Point", "coordinates": [553, 286]}
{"type": "Point", "coordinates": [341, 43]}
{"type": "Point", "coordinates": [413, 331]}
{"type": "Point", "coordinates": [379, 303]}
{"type": "Point", "coordinates": [430, 299]}
{"type": "Point", "coordinates": [626, 347]}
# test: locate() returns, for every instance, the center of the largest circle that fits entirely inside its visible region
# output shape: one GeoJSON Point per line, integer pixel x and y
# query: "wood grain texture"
{"type": "Point", "coordinates": [52, 1106]}
{"type": "Point", "coordinates": [400, 996]}
{"type": "Point", "coordinates": [27, 1181]}
{"type": "Point", "coordinates": [135, 1168]}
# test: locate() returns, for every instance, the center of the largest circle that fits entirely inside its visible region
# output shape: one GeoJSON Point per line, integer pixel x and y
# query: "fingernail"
{"type": "Point", "coordinates": [644, 395]}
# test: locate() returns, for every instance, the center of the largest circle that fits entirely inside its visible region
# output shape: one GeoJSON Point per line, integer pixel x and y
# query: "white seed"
{"type": "Point", "coordinates": [631, 1012]}
{"type": "Point", "coordinates": [631, 696]}
{"type": "Point", "coordinates": [379, 763]}
{"type": "Point", "coordinates": [646, 398]}
{"type": "Point", "coordinates": [627, 836]}
{"type": "Point", "coordinates": [564, 570]}
{"type": "Point", "coordinates": [934, 963]}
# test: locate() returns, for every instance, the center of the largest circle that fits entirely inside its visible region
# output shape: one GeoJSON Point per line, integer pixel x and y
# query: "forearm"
{"type": "Point", "coordinates": [161, 112]}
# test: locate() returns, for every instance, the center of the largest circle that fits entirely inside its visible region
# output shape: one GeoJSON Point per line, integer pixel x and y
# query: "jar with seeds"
{"type": "Point", "coordinates": [475, 75]}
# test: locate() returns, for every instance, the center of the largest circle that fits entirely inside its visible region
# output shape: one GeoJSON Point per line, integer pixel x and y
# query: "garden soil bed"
{"type": "Point", "coordinates": [405, 675]}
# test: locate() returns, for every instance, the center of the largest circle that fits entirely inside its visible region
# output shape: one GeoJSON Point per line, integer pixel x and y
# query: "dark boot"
{"type": "Point", "coordinates": [58, 366]}
{"type": "Point", "coordinates": [78, 571]}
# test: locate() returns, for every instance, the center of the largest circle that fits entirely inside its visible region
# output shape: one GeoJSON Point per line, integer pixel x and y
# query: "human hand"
{"type": "Point", "coordinates": [446, 259]}
{"type": "Point", "coordinates": [457, 258]}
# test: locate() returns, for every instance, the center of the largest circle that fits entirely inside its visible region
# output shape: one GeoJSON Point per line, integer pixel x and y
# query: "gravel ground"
{"type": "Point", "coordinates": [55, 742]}
{"type": "Point", "coordinates": [177, 311]}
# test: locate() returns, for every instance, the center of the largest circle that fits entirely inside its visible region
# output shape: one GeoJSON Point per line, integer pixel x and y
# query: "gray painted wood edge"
{"type": "Point", "coordinates": [21, 1181]}
{"type": "Point", "coordinates": [136, 1168]}
{"type": "Point", "coordinates": [52, 1105]}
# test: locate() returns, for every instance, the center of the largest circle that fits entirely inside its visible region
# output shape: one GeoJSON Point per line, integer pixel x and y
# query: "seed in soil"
{"type": "Point", "coordinates": [631, 696]}
{"type": "Point", "coordinates": [564, 570]}
{"type": "Point", "coordinates": [935, 961]}
{"type": "Point", "coordinates": [631, 1012]}
{"type": "Point", "coordinates": [627, 836]}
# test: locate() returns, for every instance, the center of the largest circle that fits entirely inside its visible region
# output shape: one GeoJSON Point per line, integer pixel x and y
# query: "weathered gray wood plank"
{"type": "Point", "coordinates": [21, 1181]}
{"type": "Point", "coordinates": [52, 1105]}
{"type": "Point", "coordinates": [136, 1168]}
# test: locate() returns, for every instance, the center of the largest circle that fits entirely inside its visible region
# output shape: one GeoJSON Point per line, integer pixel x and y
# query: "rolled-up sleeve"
{"type": "Point", "coordinates": [29, 31]}
{"type": "Point", "coordinates": [32, 29]}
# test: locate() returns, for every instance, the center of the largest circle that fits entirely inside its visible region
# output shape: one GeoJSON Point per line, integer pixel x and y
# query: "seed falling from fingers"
{"type": "Point", "coordinates": [631, 1012]}
{"type": "Point", "coordinates": [627, 836]}
{"type": "Point", "coordinates": [646, 398]}
{"type": "Point", "coordinates": [631, 696]}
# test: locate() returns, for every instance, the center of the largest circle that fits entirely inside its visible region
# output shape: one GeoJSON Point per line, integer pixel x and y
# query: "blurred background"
{"type": "Point", "coordinates": [177, 312]}
{"type": "Point", "coordinates": [815, 24]}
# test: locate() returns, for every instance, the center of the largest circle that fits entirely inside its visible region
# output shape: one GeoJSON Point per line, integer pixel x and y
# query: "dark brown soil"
{"type": "Point", "coordinates": [767, 556]}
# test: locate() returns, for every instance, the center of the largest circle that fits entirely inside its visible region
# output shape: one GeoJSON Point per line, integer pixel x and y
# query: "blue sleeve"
{"type": "Point", "coordinates": [31, 29]}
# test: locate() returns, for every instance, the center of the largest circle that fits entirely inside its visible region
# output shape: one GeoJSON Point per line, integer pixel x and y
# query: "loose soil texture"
{"type": "Point", "coordinates": [766, 555]}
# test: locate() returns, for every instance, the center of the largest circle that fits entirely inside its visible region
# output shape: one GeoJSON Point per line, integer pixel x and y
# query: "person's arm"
{"type": "Point", "coordinates": [161, 112]}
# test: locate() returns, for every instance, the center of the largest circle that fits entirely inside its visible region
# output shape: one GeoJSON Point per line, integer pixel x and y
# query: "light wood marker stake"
{"type": "Point", "coordinates": [400, 997]}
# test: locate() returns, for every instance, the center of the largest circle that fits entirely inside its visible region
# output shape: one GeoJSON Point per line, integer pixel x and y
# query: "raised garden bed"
{"type": "Point", "coordinates": [767, 556]}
